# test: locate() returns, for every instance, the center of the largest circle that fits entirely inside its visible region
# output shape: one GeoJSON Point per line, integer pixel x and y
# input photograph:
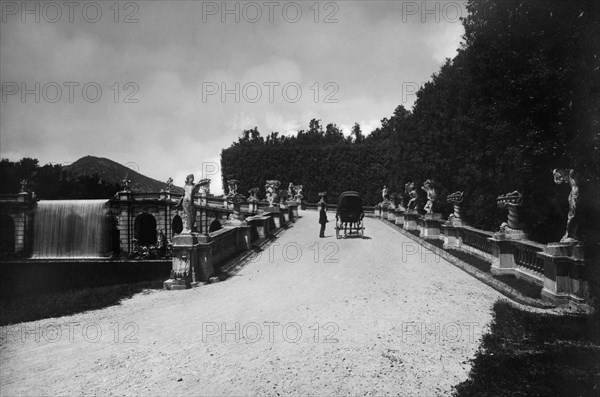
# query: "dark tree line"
{"type": "Point", "coordinates": [521, 98]}
{"type": "Point", "coordinates": [52, 181]}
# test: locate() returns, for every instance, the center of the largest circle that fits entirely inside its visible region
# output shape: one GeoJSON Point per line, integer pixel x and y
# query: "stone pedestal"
{"type": "Point", "coordinates": [411, 219]}
{"type": "Point", "coordinates": [391, 213]}
{"type": "Point", "coordinates": [192, 261]}
{"type": "Point", "coordinates": [125, 195]}
{"type": "Point", "coordinates": [262, 225]}
{"type": "Point", "coordinates": [452, 237]}
{"type": "Point", "coordinates": [383, 214]}
{"type": "Point", "coordinates": [252, 207]}
{"type": "Point", "coordinates": [429, 225]}
{"type": "Point", "coordinates": [508, 233]}
{"type": "Point", "coordinates": [285, 213]}
{"type": "Point", "coordinates": [564, 266]}
{"type": "Point", "coordinates": [503, 256]}
{"type": "Point", "coordinates": [399, 217]}
{"type": "Point", "coordinates": [276, 216]}
{"type": "Point", "coordinates": [245, 237]}
{"type": "Point", "coordinates": [455, 222]}
{"type": "Point", "coordinates": [294, 207]}
{"type": "Point", "coordinates": [237, 217]}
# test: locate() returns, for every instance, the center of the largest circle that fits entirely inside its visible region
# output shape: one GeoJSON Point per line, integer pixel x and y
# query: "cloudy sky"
{"type": "Point", "coordinates": [164, 86]}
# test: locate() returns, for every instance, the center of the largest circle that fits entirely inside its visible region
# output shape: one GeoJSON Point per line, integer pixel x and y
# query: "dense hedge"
{"type": "Point", "coordinates": [318, 168]}
{"type": "Point", "coordinates": [520, 99]}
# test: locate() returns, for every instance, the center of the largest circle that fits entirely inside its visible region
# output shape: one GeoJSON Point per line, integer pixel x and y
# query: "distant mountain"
{"type": "Point", "coordinates": [111, 171]}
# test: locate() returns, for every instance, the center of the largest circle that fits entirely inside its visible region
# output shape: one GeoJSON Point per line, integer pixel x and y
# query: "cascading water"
{"type": "Point", "coordinates": [70, 229]}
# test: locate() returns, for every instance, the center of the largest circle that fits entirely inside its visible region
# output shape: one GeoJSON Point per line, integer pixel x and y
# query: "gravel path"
{"type": "Point", "coordinates": [308, 316]}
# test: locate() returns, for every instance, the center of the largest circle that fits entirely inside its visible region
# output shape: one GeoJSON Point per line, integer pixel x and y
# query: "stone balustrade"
{"type": "Point", "coordinates": [198, 257]}
{"type": "Point", "coordinates": [562, 269]}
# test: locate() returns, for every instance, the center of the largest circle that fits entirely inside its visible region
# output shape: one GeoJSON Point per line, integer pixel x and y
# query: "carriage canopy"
{"type": "Point", "coordinates": [350, 200]}
{"type": "Point", "coordinates": [349, 215]}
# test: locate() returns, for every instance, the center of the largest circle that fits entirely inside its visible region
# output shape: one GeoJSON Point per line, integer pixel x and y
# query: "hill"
{"type": "Point", "coordinates": [111, 171]}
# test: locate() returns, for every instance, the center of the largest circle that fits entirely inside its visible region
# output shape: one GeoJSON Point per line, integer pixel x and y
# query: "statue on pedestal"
{"type": "Point", "coordinates": [298, 196]}
{"type": "Point", "coordinates": [236, 200]}
{"type": "Point", "coordinates": [186, 203]}
{"type": "Point", "coordinates": [253, 200]}
{"type": "Point", "coordinates": [232, 186]}
{"type": "Point", "coordinates": [412, 195]}
{"type": "Point", "coordinates": [513, 227]}
{"type": "Point", "coordinates": [253, 194]}
{"type": "Point", "coordinates": [569, 176]}
{"type": "Point", "coordinates": [126, 182]}
{"type": "Point", "coordinates": [283, 197]}
{"type": "Point", "coordinates": [455, 198]}
{"type": "Point", "coordinates": [384, 194]}
{"type": "Point", "coordinates": [429, 187]}
{"type": "Point", "coordinates": [169, 184]}
{"type": "Point", "coordinates": [272, 188]}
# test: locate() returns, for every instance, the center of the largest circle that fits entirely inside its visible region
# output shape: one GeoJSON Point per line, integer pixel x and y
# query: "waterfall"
{"type": "Point", "coordinates": [71, 229]}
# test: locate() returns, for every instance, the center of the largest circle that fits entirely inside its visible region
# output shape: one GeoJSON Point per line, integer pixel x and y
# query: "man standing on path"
{"type": "Point", "coordinates": [322, 205]}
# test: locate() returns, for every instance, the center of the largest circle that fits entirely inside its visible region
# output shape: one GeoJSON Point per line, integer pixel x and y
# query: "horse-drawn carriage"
{"type": "Point", "coordinates": [349, 215]}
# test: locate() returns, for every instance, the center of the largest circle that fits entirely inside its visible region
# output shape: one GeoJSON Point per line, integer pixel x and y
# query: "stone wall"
{"type": "Point", "coordinates": [20, 209]}
{"type": "Point", "coordinates": [125, 207]}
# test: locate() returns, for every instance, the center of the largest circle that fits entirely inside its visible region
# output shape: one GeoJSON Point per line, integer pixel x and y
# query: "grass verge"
{"type": "Point", "coordinates": [57, 304]}
{"type": "Point", "coordinates": [532, 354]}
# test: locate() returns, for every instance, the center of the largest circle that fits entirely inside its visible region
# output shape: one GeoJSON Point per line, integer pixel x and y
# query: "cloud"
{"type": "Point", "coordinates": [351, 71]}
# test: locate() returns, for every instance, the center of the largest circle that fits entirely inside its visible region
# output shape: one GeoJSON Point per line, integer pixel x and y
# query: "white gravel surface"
{"type": "Point", "coordinates": [308, 316]}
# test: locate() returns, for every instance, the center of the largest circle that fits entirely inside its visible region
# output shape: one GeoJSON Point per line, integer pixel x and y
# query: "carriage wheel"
{"type": "Point", "coordinates": [362, 230]}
